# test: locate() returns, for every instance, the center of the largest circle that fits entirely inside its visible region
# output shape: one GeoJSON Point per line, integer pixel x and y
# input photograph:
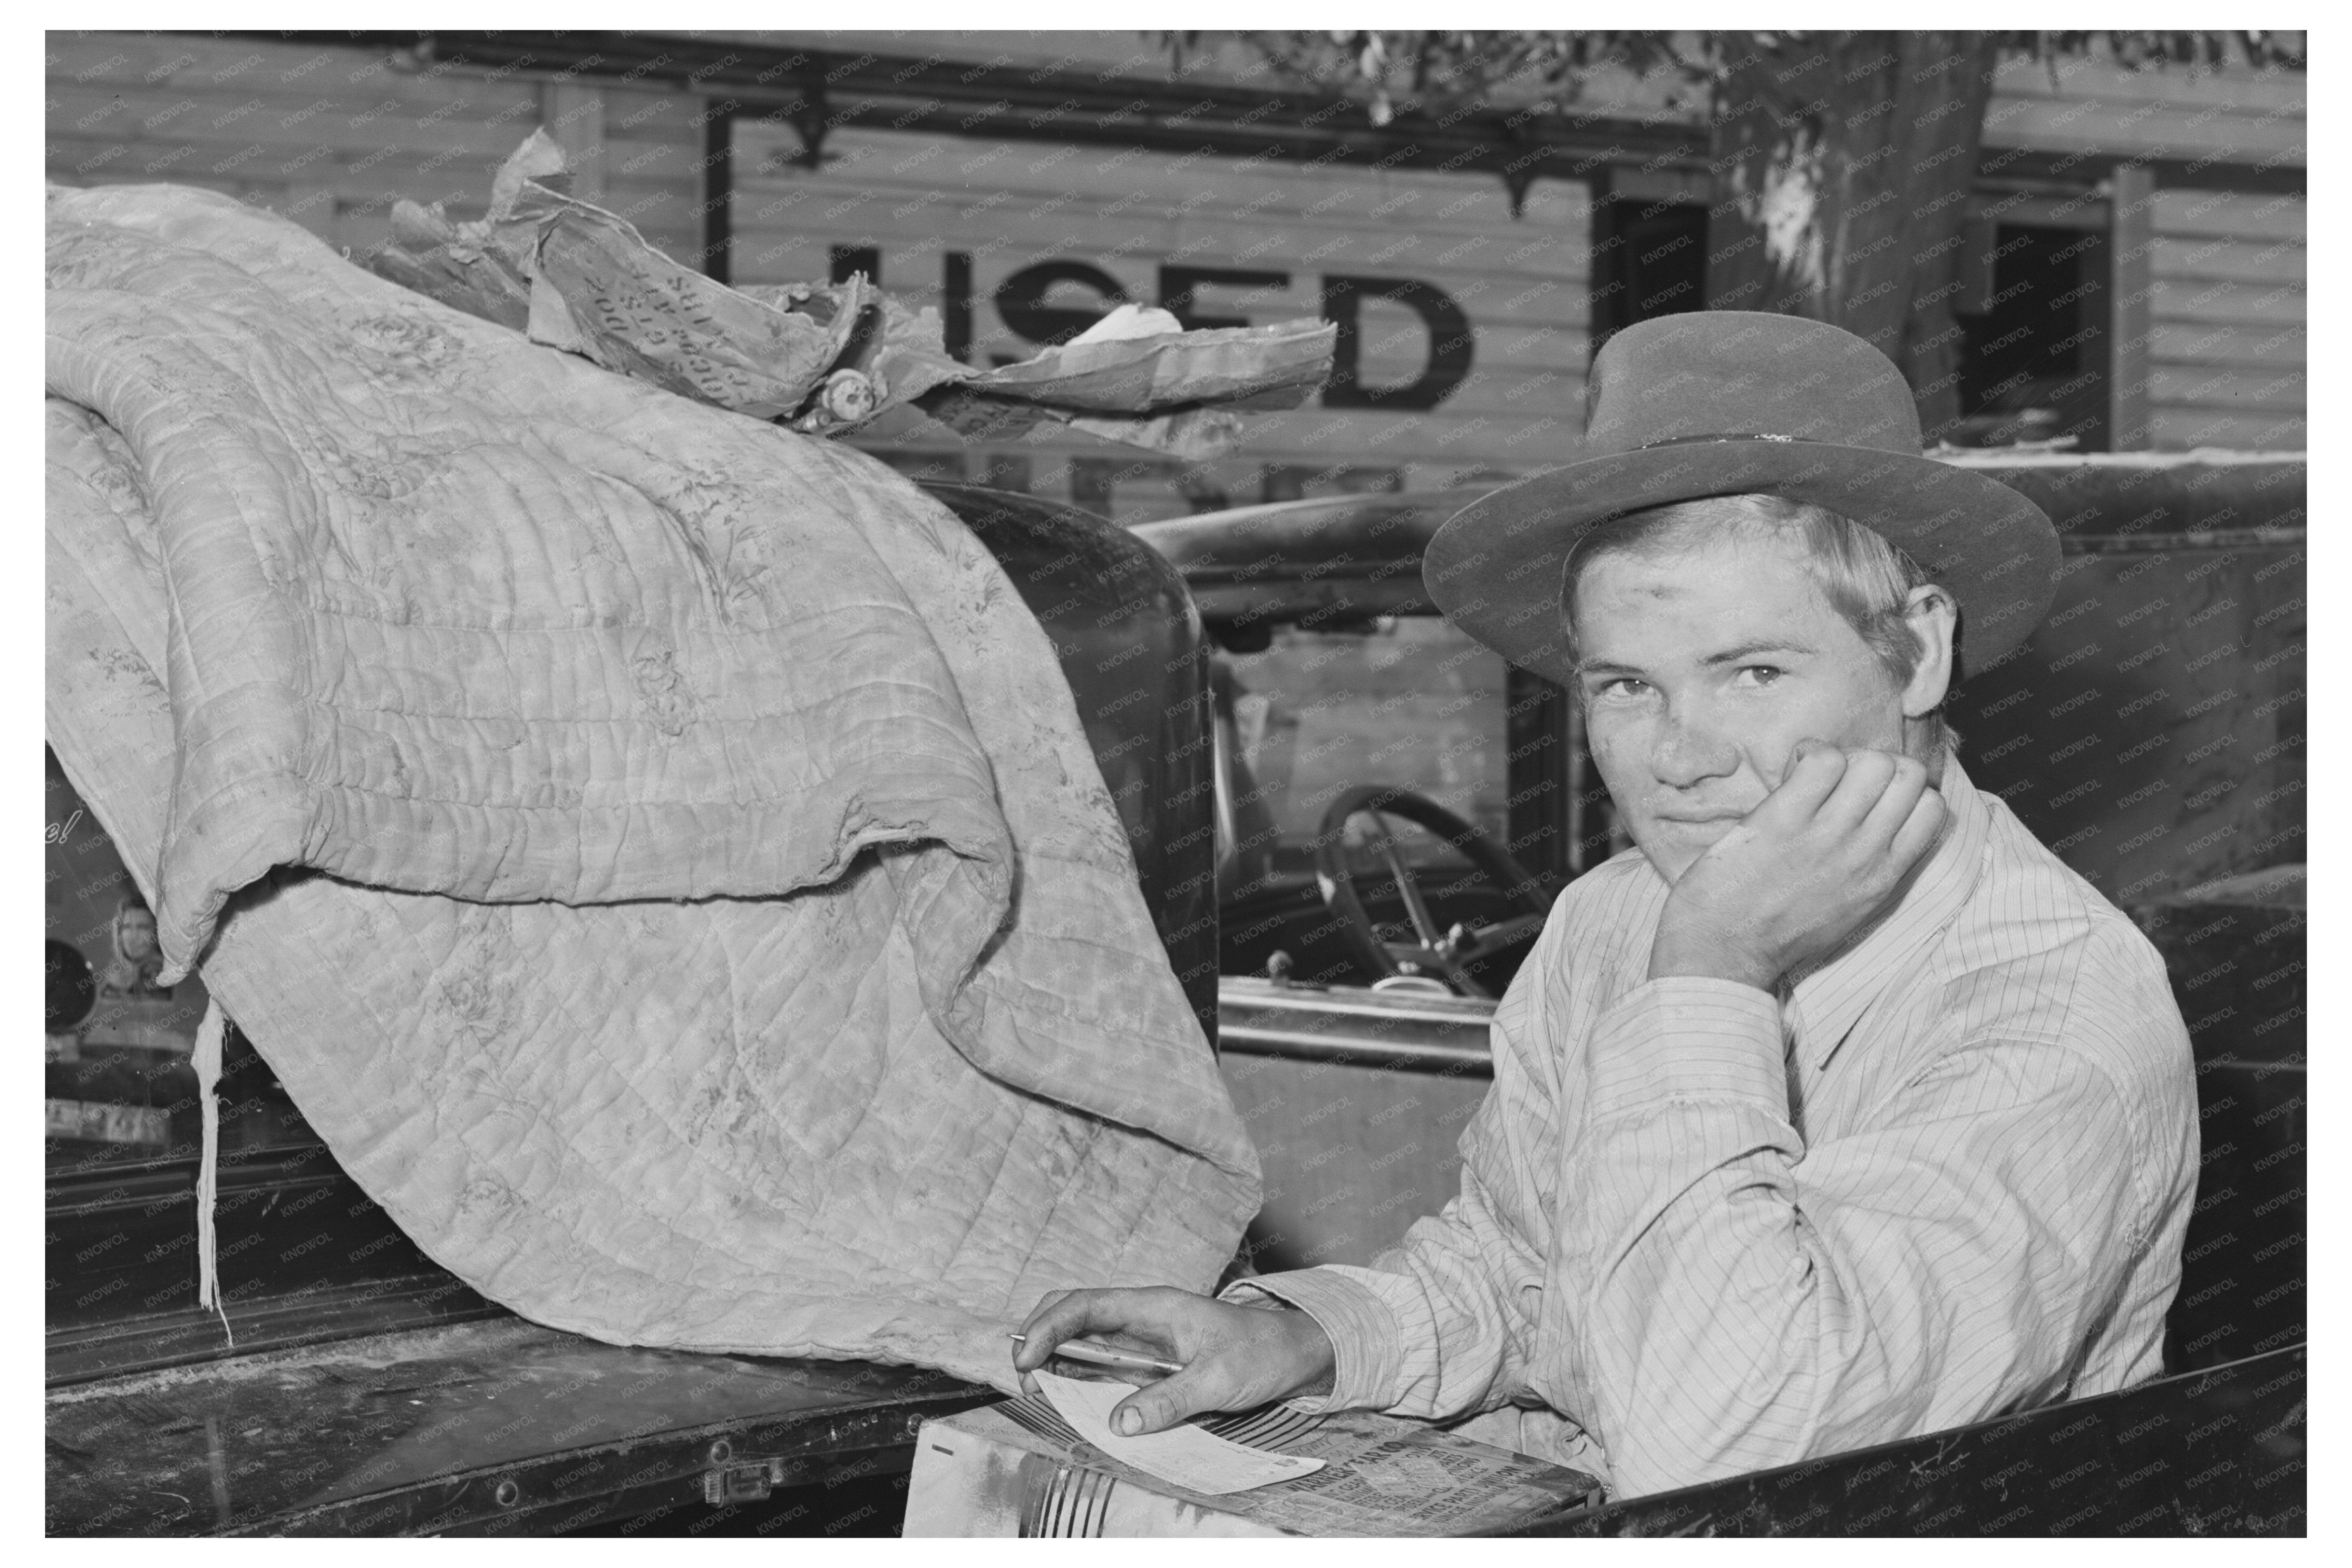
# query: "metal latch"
{"type": "Point", "coordinates": [749, 1480]}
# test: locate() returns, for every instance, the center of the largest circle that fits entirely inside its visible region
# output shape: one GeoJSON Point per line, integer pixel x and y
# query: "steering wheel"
{"type": "Point", "coordinates": [1447, 954]}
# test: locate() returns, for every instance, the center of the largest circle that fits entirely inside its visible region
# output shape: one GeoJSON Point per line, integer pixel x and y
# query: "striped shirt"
{"type": "Point", "coordinates": [1705, 1230]}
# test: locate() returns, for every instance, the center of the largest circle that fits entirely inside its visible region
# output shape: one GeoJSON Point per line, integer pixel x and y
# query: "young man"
{"type": "Point", "coordinates": [1839, 1110]}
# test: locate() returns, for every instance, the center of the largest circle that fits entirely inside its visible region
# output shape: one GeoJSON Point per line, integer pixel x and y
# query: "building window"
{"type": "Point", "coordinates": [1650, 259]}
{"type": "Point", "coordinates": [2034, 361]}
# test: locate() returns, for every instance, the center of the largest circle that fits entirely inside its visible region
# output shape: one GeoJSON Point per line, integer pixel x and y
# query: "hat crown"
{"type": "Point", "coordinates": [1745, 372]}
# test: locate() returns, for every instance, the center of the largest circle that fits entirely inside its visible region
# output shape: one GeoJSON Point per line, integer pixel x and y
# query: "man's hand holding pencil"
{"type": "Point", "coordinates": [1221, 1356]}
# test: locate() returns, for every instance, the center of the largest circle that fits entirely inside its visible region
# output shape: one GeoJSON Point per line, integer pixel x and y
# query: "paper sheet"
{"type": "Point", "coordinates": [1186, 1456]}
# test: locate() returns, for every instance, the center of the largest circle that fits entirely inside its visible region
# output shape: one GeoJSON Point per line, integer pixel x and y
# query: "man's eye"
{"type": "Point", "coordinates": [1760, 674]}
{"type": "Point", "coordinates": [1623, 686]}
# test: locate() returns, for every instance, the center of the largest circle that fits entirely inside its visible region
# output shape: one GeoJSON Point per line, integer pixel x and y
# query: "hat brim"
{"type": "Point", "coordinates": [1496, 567]}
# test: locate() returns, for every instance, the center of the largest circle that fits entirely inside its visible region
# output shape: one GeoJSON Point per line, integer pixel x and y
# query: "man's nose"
{"type": "Point", "coordinates": [1689, 753]}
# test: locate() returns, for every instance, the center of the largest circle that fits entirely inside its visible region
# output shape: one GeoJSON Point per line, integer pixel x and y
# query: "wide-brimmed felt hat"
{"type": "Point", "coordinates": [1731, 402]}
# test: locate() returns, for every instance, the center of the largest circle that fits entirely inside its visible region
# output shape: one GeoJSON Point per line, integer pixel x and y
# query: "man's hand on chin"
{"type": "Point", "coordinates": [1798, 874]}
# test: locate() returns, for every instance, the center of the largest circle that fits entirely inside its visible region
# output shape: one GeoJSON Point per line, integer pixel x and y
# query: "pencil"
{"type": "Point", "coordinates": [1096, 1353]}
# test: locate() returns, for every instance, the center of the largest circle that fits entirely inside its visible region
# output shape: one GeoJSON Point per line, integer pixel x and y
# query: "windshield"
{"type": "Point", "coordinates": [1411, 703]}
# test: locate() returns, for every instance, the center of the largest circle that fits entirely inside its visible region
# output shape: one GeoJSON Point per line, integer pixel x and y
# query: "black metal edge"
{"type": "Point", "coordinates": [619, 1479]}
{"type": "Point", "coordinates": [2108, 1423]}
{"type": "Point", "coordinates": [679, 1508]}
{"type": "Point", "coordinates": [126, 1347]}
{"type": "Point", "coordinates": [171, 1179]}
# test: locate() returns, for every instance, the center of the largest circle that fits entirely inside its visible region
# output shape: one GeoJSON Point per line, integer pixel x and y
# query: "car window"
{"type": "Point", "coordinates": [1410, 703]}
{"type": "Point", "coordinates": [120, 1080]}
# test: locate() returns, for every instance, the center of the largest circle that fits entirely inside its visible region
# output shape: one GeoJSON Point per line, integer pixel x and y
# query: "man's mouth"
{"type": "Point", "coordinates": [1700, 819]}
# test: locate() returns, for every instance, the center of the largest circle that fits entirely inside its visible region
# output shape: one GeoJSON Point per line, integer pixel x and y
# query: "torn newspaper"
{"type": "Point", "coordinates": [1018, 1469]}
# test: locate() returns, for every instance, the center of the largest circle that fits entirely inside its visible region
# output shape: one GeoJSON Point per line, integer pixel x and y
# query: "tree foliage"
{"type": "Point", "coordinates": [1442, 72]}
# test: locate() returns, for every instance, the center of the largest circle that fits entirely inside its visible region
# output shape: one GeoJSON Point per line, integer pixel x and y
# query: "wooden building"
{"type": "Point", "coordinates": [2144, 231]}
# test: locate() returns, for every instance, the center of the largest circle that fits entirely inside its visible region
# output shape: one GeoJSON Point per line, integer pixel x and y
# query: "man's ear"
{"type": "Point", "coordinates": [1933, 618]}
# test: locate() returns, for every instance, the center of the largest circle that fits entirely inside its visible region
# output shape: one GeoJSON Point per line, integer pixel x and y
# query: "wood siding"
{"type": "Point", "coordinates": [2094, 106]}
{"type": "Point", "coordinates": [332, 137]}
{"type": "Point", "coordinates": [2227, 303]}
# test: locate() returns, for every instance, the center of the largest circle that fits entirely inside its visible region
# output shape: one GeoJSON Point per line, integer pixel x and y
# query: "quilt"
{"type": "Point", "coordinates": [657, 851]}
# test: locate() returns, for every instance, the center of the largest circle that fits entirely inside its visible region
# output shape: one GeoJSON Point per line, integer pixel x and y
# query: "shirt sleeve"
{"type": "Point", "coordinates": [1752, 1301]}
{"type": "Point", "coordinates": [1439, 1325]}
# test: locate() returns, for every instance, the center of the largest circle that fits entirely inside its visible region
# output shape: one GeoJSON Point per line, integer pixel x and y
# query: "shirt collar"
{"type": "Point", "coordinates": [1829, 999]}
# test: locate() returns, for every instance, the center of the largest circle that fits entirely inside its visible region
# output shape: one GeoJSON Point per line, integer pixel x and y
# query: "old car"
{"type": "Point", "coordinates": [1296, 686]}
